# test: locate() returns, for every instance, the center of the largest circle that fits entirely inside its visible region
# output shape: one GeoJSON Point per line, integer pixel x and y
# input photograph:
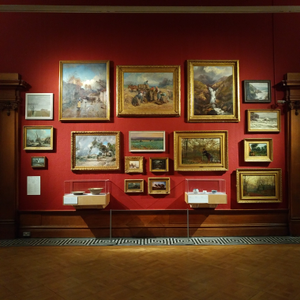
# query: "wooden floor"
{"type": "Point", "coordinates": [256, 272]}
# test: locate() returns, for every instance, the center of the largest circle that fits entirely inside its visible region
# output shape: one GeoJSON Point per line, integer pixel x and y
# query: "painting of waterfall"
{"type": "Point", "coordinates": [213, 91]}
{"type": "Point", "coordinates": [257, 91]}
{"type": "Point", "coordinates": [263, 120]}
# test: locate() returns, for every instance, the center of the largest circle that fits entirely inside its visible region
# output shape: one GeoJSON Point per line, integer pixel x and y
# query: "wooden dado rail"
{"type": "Point", "coordinates": [158, 223]}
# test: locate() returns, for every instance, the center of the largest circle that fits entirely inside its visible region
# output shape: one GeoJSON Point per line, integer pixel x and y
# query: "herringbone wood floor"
{"type": "Point", "coordinates": [256, 272]}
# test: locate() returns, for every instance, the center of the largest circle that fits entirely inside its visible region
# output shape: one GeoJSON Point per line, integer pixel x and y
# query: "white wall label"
{"type": "Point", "coordinates": [33, 185]}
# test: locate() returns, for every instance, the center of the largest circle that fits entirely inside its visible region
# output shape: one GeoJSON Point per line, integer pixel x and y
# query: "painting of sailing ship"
{"type": "Point", "coordinates": [213, 91]}
{"type": "Point", "coordinates": [38, 137]}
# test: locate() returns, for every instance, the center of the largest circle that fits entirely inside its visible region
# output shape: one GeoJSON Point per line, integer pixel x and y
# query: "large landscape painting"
{"type": "Point", "coordinates": [213, 91]}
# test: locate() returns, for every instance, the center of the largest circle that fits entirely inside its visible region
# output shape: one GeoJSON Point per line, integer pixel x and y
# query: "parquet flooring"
{"type": "Point", "coordinates": [231, 272]}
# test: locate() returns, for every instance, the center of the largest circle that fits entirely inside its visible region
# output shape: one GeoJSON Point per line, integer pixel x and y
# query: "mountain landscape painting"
{"type": "Point", "coordinates": [213, 91]}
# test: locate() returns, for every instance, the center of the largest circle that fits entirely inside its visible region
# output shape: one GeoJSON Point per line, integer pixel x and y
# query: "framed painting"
{"type": "Point", "coordinates": [95, 150]}
{"type": "Point", "coordinates": [257, 91]}
{"type": "Point", "coordinates": [258, 150]}
{"type": "Point", "coordinates": [263, 120]}
{"type": "Point", "coordinates": [200, 151]}
{"type": "Point", "coordinates": [159, 164]}
{"type": "Point", "coordinates": [38, 138]}
{"type": "Point", "coordinates": [213, 91]}
{"type": "Point", "coordinates": [134, 164]}
{"type": "Point", "coordinates": [147, 141]}
{"type": "Point", "coordinates": [39, 106]}
{"type": "Point", "coordinates": [148, 91]}
{"type": "Point", "coordinates": [159, 185]}
{"type": "Point", "coordinates": [84, 91]}
{"type": "Point", "coordinates": [38, 161]}
{"type": "Point", "coordinates": [134, 185]}
{"type": "Point", "coordinates": [259, 185]}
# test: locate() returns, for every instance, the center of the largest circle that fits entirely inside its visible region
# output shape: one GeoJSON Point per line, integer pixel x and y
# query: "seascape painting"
{"type": "Point", "coordinates": [38, 137]}
{"type": "Point", "coordinates": [84, 90]}
{"type": "Point", "coordinates": [146, 141]}
{"type": "Point", "coordinates": [257, 91]}
{"type": "Point", "coordinates": [95, 151]}
{"type": "Point", "coordinates": [263, 120]}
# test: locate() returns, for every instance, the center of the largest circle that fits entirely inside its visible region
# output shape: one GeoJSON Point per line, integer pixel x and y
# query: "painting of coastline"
{"type": "Point", "coordinates": [39, 106]}
{"type": "Point", "coordinates": [213, 91]}
{"type": "Point", "coordinates": [267, 120]}
{"type": "Point", "coordinates": [84, 90]}
{"type": "Point", "coordinates": [38, 137]}
{"type": "Point", "coordinates": [146, 141]}
{"type": "Point", "coordinates": [257, 91]}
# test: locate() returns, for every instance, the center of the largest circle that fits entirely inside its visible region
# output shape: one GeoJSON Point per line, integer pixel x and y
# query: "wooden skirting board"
{"type": "Point", "coordinates": [204, 222]}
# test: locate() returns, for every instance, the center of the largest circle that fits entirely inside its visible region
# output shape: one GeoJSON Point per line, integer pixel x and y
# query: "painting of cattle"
{"type": "Point", "coordinates": [148, 90]}
{"type": "Point", "coordinates": [84, 91]}
{"type": "Point", "coordinates": [159, 185]}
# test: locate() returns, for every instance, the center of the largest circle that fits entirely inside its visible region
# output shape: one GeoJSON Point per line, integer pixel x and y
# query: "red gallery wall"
{"type": "Point", "coordinates": [32, 44]}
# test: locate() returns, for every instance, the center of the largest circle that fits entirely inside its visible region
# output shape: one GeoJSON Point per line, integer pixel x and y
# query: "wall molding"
{"type": "Point", "coordinates": [149, 9]}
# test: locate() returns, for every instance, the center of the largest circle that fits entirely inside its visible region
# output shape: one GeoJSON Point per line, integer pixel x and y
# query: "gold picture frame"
{"type": "Point", "coordinates": [38, 137]}
{"type": "Point", "coordinates": [133, 185]}
{"type": "Point", "coordinates": [213, 91]}
{"type": "Point", "coordinates": [258, 150]}
{"type": "Point", "coordinates": [146, 91]}
{"type": "Point", "coordinates": [263, 120]}
{"type": "Point", "coordinates": [159, 185]}
{"type": "Point", "coordinates": [84, 93]}
{"type": "Point", "coordinates": [201, 150]}
{"type": "Point", "coordinates": [134, 164]}
{"type": "Point", "coordinates": [159, 164]}
{"type": "Point", "coordinates": [259, 185]}
{"type": "Point", "coordinates": [95, 150]}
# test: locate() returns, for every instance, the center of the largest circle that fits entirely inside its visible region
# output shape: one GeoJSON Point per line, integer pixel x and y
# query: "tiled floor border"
{"type": "Point", "coordinates": [193, 241]}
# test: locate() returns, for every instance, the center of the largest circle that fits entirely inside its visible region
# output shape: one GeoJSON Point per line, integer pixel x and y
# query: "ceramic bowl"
{"type": "Point", "coordinates": [96, 191]}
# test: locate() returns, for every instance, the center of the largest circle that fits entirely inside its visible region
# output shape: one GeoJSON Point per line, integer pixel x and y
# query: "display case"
{"type": "Point", "coordinates": [203, 193]}
{"type": "Point", "coordinates": [87, 193]}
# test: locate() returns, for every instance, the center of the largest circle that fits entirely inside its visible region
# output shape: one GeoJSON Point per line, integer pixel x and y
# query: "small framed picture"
{"type": "Point", "coordinates": [259, 185]}
{"type": "Point", "coordinates": [39, 106]}
{"type": "Point", "coordinates": [147, 141]}
{"type": "Point", "coordinates": [38, 161]}
{"type": "Point", "coordinates": [159, 185]}
{"type": "Point", "coordinates": [159, 164]}
{"type": "Point", "coordinates": [38, 138]}
{"type": "Point", "coordinates": [257, 91]}
{"type": "Point", "coordinates": [134, 185]}
{"type": "Point", "coordinates": [258, 150]}
{"type": "Point", "coordinates": [134, 164]}
{"type": "Point", "coordinates": [263, 120]}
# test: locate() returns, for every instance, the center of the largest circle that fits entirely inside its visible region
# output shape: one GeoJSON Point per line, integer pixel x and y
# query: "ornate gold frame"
{"type": "Point", "coordinates": [248, 157]}
{"type": "Point", "coordinates": [207, 161]}
{"type": "Point", "coordinates": [252, 190]}
{"type": "Point", "coordinates": [87, 105]}
{"type": "Point", "coordinates": [252, 122]}
{"type": "Point", "coordinates": [134, 190]}
{"type": "Point", "coordinates": [143, 108]}
{"type": "Point", "coordinates": [210, 117]}
{"type": "Point", "coordinates": [92, 161]}
{"type": "Point", "coordinates": [159, 191]}
{"type": "Point", "coordinates": [26, 139]}
{"type": "Point", "coordinates": [153, 169]}
{"type": "Point", "coordinates": [129, 168]}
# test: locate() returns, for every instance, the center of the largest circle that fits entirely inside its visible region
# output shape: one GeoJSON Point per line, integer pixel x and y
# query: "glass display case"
{"type": "Point", "coordinates": [87, 193]}
{"type": "Point", "coordinates": [205, 192]}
